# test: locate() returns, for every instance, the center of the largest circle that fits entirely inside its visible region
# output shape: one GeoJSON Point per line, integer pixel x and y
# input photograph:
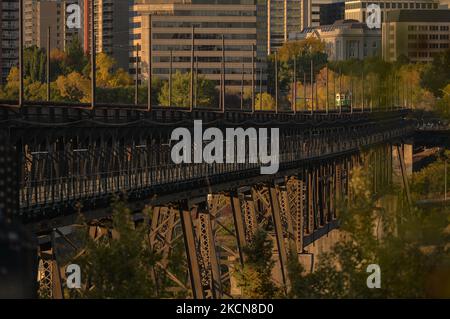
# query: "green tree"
{"type": "Point", "coordinates": [206, 91]}
{"type": "Point", "coordinates": [437, 75]}
{"type": "Point", "coordinates": [74, 87]}
{"type": "Point", "coordinates": [255, 278]}
{"type": "Point", "coordinates": [266, 100]}
{"type": "Point", "coordinates": [443, 104]}
{"type": "Point", "coordinates": [35, 64]}
{"type": "Point", "coordinates": [75, 59]}
{"type": "Point", "coordinates": [409, 245]}
{"type": "Point", "coordinates": [121, 265]}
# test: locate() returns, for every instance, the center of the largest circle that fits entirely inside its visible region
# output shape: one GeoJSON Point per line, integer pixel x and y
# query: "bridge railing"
{"type": "Point", "coordinates": [61, 179]}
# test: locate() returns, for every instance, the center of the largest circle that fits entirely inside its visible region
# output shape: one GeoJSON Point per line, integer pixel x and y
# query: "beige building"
{"type": "Point", "coordinates": [41, 14]}
{"type": "Point", "coordinates": [416, 34]}
{"type": "Point", "coordinates": [111, 29]}
{"type": "Point", "coordinates": [345, 39]}
{"type": "Point", "coordinates": [283, 17]}
{"type": "Point", "coordinates": [310, 12]}
{"type": "Point", "coordinates": [9, 37]}
{"type": "Point", "coordinates": [356, 10]}
{"type": "Point", "coordinates": [171, 29]}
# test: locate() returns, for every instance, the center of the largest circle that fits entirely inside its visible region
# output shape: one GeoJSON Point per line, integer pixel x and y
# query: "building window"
{"type": "Point", "coordinates": [434, 28]}
{"type": "Point", "coordinates": [444, 28]}
{"type": "Point", "coordinates": [412, 28]}
{"type": "Point", "coordinates": [412, 36]}
{"type": "Point", "coordinates": [423, 28]}
{"type": "Point", "coordinates": [434, 37]}
{"type": "Point", "coordinates": [444, 45]}
{"type": "Point", "coordinates": [444, 37]}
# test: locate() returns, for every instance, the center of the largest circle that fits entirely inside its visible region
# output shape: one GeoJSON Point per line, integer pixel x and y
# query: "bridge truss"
{"type": "Point", "coordinates": [67, 160]}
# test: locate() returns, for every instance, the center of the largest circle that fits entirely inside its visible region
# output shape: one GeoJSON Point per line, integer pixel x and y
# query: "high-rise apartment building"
{"type": "Point", "coordinates": [283, 17]}
{"type": "Point", "coordinates": [9, 36]}
{"type": "Point", "coordinates": [39, 15]}
{"type": "Point", "coordinates": [416, 34]}
{"type": "Point", "coordinates": [356, 10]}
{"type": "Point", "coordinates": [171, 28]}
{"type": "Point", "coordinates": [311, 12]}
{"type": "Point", "coordinates": [332, 12]}
{"type": "Point", "coordinates": [111, 28]}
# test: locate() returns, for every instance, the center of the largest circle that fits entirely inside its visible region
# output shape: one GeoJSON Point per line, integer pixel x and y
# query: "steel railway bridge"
{"type": "Point", "coordinates": [60, 160]}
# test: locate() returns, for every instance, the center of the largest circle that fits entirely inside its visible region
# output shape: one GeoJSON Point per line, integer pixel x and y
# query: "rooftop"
{"type": "Point", "coordinates": [418, 16]}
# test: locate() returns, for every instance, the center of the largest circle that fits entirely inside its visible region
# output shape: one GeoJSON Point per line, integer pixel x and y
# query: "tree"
{"type": "Point", "coordinates": [410, 246]}
{"type": "Point", "coordinates": [303, 52]}
{"type": "Point", "coordinates": [75, 60]}
{"type": "Point", "coordinates": [107, 76]}
{"type": "Point", "coordinates": [264, 102]}
{"type": "Point", "coordinates": [435, 76]}
{"type": "Point", "coordinates": [443, 104]}
{"type": "Point", "coordinates": [74, 87]}
{"type": "Point", "coordinates": [255, 278]}
{"type": "Point", "coordinates": [121, 265]}
{"type": "Point", "coordinates": [35, 64]}
{"type": "Point", "coordinates": [206, 91]}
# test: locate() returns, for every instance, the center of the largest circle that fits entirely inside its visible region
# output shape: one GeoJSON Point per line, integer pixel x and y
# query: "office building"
{"type": "Point", "coordinates": [171, 28]}
{"type": "Point", "coordinates": [111, 28]}
{"type": "Point", "coordinates": [332, 12]}
{"type": "Point", "coordinates": [345, 39]}
{"type": "Point", "coordinates": [356, 10]}
{"type": "Point", "coordinates": [283, 17]}
{"type": "Point", "coordinates": [416, 34]}
{"type": "Point", "coordinates": [39, 15]}
{"type": "Point", "coordinates": [9, 35]}
{"type": "Point", "coordinates": [311, 12]}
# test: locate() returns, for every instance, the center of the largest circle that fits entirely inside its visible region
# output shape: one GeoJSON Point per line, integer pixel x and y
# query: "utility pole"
{"type": "Point", "coordinates": [312, 86]}
{"type": "Point", "coordinates": [326, 75]}
{"type": "Point", "coordinates": [445, 183]}
{"type": "Point", "coordinates": [136, 80]}
{"type": "Point", "coordinates": [48, 64]}
{"type": "Point", "coordinates": [196, 81]}
{"type": "Point", "coordinates": [170, 77]}
{"type": "Point", "coordinates": [334, 90]}
{"type": "Point", "coordinates": [304, 91]}
{"type": "Point", "coordinates": [150, 71]}
{"type": "Point", "coordinates": [21, 93]}
{"type": "Point", "coordinates": [242, 86]}
{"type": "Point", "coordinates": [93, 57]}
{"type": "Point", "coordinates": [276, 82]}
{"type": "Point", "coordinates": [191, 95]}
{"type": "Point", "coordinates": [294, 89]}
{"type": "Point", "coordinates": [253, 77]}
{"type": "Point", "coordinates": [260, 88]}
{"type": "Point", "coordinates": [351, 92]}
{"type": "Point", "coordinates": [362, 92]}
{"type": "Point", "coordinates": [223, 75]}
{"type": "Point", "coordinates": [340, 90]}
